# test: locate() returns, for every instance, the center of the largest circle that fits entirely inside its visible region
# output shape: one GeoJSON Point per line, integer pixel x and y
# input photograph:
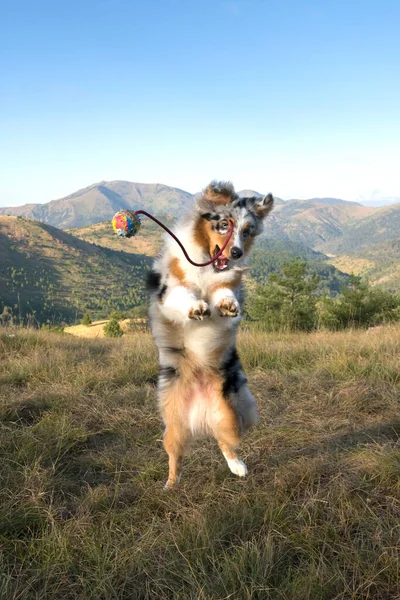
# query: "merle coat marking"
{"type": "Point", "coordinates": [194, 315]}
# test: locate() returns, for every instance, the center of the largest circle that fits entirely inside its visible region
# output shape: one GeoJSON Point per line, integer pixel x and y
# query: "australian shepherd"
{"type": "Point", "coordinates": [194, 316]}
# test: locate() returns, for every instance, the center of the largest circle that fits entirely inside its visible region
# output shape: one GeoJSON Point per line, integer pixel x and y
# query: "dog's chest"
{"type": "Point", "coordinates": [203, 280]}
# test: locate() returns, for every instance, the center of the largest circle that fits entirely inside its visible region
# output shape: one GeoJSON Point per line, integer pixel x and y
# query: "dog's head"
{"type": "Point", "coordinates": [220, 204]}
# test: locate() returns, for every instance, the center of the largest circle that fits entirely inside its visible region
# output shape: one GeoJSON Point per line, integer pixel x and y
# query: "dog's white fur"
{"type": "Point", "coordinates": [194, 315]}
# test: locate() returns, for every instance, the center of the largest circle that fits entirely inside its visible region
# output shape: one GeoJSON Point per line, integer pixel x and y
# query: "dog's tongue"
{"type": "Point", "coordinates": [221, 263]}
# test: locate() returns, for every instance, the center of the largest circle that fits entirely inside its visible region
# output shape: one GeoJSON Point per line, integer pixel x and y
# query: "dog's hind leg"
{"type": "Point", "coordinates": [174, 443]}
{"type": "Point", "coordinates": [176, 433]}
{"type": "Point", "coordinates": [227, 434]}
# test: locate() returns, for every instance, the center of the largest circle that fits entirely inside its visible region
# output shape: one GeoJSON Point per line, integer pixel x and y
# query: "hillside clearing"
{"type": "Point", "coordinates": [96, 329]}
{"type": "Point", "coordinates": [83, 514]}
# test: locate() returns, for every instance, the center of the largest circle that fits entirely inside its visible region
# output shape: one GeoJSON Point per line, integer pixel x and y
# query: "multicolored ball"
{"type": "Point", "coordinates": [125, 223]}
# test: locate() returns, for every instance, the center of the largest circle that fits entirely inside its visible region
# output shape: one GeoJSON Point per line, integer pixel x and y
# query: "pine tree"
{"type": "Point", "coordinates": [113, 329]}
{"type": "Point", "coordinates": [86, 320]}
{"type": "Point", "coordinates": [286, 301]}
{"type": "Point", "coordinates": [296, 290]}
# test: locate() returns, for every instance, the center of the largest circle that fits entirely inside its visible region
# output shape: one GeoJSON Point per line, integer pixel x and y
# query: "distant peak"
{"type": "Point", "coordinates": [249, 194]}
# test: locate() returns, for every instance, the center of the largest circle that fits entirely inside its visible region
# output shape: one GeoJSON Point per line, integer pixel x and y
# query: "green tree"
{"type": "Point", "coordinates": [359, 305]}
{"type": "Point", "coordinates": [140, 312]}
{"type": "Point", "coordinates": [86, 320]}
{"type": "Point", "coordinates": [113, 329]}
{"type": "Point", "coordinates": [117, 314]}
{"type": "Point", "coordinates": [287, 301]}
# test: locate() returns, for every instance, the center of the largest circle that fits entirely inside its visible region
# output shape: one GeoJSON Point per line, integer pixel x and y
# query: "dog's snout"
{"type": "Point", "coordinates": [236, 252]}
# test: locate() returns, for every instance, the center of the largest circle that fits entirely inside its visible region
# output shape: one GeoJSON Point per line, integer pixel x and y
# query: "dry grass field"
{"type": "Point", "coordinates": [83, 513]}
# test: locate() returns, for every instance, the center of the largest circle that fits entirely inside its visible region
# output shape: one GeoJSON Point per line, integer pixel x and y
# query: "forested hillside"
{"type": "Point", "coordinates": [382, 226]}
{"type": "Point", "coordinates": [379, 263]}
{"type": "Point", "coordinates": [270, 255]}
{"type": "Point", "coordinates": [371, 248]}
{"type": "Point", "coordinates": [48, 275]}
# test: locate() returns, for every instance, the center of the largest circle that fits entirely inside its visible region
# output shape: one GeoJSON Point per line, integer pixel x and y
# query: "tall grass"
{"type": "Point", "coordinates": [83, 514]}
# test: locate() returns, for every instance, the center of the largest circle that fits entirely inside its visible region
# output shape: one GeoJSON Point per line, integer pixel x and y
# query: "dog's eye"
{"type": "Point", "coordinates": [245, 234]}
{"type": "Point", "coordinates": [223, 227]}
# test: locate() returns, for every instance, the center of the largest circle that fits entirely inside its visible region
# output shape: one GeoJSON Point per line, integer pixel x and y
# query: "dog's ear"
{"type": "Point", "coordinates": [205, 208]}
{"type": "Point", "coordinates": [260, 205]}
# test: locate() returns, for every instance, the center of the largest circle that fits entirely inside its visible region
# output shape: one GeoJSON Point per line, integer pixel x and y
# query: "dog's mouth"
{"type": "Point", "coordinates": [222, 262]}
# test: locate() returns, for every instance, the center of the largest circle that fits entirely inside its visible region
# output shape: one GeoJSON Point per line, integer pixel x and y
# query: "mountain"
{"type": "Point", "coordinates": [312, 223]}
{"type": "Point", "coordinates": [371, 248]}
{"type": "Point", "coordinates": [55, 276]}
{"type": "Point", "coordinates": [382, 225]}
{"type": "Point", "coordinates": [100, 202]}
{"type": "Point", "coordinates": [331, 201]}
{"type": "Point", "coordinates": [379, 263]}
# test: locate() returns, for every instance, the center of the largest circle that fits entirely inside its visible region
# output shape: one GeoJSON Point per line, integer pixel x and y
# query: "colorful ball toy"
{"type": "Point", "coordinates": [126, 223]}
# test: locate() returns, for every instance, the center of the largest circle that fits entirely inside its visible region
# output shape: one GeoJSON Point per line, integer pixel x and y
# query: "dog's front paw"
{"type": "Point", "coordinates": [228, 307]}
{"type": "Point", "coordinates": [200, 310]}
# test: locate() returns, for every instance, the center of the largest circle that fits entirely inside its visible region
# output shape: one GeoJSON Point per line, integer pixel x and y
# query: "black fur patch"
{"type": "Point", "coordinates": [168, 373]}
{"type": "Point", "coordinates": [231, 371]}
{"type": "Point", "coordinates": [153, 281]}
{"type": "Point", "coordinates": [162, 292]}
{"type": "Point", "coordinates": [241, 203]}
{"type": "Point", "coordinates": [174, 350]}
{"type": "Point", "coordinates": [210, 217]}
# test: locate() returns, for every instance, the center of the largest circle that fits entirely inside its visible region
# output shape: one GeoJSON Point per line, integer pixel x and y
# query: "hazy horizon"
{"type": "Point", "coordinates": [372, 203]}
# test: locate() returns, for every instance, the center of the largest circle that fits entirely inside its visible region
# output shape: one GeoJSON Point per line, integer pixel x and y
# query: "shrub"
{"type": "Point", "coordinates": [359, 305]}
{"type": "Point", "coordinates": [52, 328]}
{"type": "Point", "coordinates": [113, 329]}
{"type": "Point", "coordinates": [86, 320]}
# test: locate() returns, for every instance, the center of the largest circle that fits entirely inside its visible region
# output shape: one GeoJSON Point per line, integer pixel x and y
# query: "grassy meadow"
{"type": "Point", "coordinates": [83, 513]}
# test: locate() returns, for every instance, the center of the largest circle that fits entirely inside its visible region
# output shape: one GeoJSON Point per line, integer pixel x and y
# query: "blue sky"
{"type": "Point", "coordinates": [297, 98]}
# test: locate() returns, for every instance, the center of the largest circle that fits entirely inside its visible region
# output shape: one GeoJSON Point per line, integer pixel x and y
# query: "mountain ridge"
{"type": "Point", "coordinates": [99, 201]}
